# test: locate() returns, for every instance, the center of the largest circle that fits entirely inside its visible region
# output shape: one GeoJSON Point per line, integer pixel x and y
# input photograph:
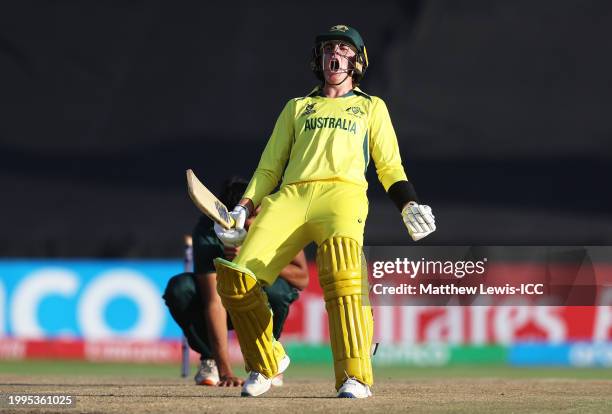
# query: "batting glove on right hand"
{"type": "Point", "coordinates": [235, 236]}
{"type": "Point", "coordinates": [419, 220]}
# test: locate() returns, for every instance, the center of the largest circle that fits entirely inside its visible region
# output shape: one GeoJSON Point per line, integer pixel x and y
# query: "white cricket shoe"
{"type": "Point", "coordinates": [207, 374]}
{"type": "Point", "coordinates": [354, 389]}
{"type": "Point", "coordinates": [257, 384]}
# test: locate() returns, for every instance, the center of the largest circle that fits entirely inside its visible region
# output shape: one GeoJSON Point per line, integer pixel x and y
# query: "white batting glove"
{"type": "Point", "coordinates": [419, 220]}
{"type": "Point", "coordinates": [240, 213]}
{"type": "Point", "coordinates": [235, 236]}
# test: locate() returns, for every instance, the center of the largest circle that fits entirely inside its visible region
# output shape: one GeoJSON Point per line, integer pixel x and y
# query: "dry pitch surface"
{"type": "Point", "coordinates": [114, 394]}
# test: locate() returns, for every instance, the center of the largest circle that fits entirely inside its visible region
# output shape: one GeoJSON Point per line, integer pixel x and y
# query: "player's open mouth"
{"type": "Point", "coordinates": [334, 65]}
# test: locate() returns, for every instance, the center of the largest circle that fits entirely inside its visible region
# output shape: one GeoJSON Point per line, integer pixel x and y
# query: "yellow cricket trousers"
{"type": "Point", "coordinates": [296, 215]}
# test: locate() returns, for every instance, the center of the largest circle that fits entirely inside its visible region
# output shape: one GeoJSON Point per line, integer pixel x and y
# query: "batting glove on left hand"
{"type": "Point", "coordinates": [235, 236]}
{"type": "Point", "coordinates": [419, 220]}
{"type": "Point", "coordinates": [240, 213]}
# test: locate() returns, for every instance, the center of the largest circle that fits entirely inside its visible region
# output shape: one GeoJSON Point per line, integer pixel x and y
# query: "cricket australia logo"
{"type": "Point", "coordinates": [309, 109]}
{"type": "Point", "coordinates": [355, 111]}
{"type": "Point", "coordinates": [339, 28]}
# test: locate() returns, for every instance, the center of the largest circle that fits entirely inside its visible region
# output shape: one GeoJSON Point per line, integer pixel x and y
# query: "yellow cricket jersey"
{"type": "Point", "coordinates": [320, 138]}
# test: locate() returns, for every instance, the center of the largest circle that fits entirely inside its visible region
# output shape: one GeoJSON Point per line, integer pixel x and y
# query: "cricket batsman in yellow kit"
{"type": "Point", "coordinates": [320, 146]}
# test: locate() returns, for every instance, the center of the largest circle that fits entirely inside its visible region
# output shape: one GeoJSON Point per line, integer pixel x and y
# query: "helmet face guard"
{"type": "Point", "coordinates": [346, 34]}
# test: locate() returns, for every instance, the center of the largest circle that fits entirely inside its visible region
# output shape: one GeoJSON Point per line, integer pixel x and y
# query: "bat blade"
{"type": "Point", "coordinates": [206, 201]}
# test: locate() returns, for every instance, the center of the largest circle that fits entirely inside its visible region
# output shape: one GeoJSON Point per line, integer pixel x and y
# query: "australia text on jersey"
{"type": "Point", "coordinates": [330, 122]}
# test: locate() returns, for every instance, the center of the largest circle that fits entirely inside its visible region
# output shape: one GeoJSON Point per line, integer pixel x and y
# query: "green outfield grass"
{"type": "Point", "coordinates": [301, 371]}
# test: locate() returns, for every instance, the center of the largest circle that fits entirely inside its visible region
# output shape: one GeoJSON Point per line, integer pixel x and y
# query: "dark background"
{"type": "Point", "coordinates": [502, 110]}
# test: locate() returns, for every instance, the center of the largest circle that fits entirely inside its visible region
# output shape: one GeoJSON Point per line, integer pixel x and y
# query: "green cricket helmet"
{"type": "Point", "coordinates": [348, 35]}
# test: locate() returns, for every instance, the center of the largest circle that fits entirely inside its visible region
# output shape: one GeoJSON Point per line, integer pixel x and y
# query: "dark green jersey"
{"type": "Point", "coordinates": [206, 246]}
{"type": "Point", "coordinates": [184, 300]}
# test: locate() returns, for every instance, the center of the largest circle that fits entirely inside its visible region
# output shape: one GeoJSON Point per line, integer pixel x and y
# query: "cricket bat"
{"type": "Point", "coordinates": [206, 201]}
